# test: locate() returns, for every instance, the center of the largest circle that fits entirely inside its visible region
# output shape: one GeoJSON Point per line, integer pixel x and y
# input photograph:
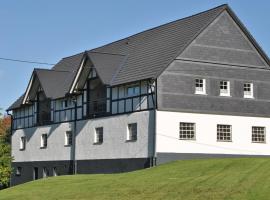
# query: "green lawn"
{"type": "Point", "coordinates": [231, 178]}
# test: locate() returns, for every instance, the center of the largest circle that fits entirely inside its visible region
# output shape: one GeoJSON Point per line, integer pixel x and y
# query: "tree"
{"type": "Point", "coordinates": [5, 151]}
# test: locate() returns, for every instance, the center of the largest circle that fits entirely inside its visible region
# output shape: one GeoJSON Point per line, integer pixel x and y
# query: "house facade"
{"type": "Point", "coordinates": [193, 88]}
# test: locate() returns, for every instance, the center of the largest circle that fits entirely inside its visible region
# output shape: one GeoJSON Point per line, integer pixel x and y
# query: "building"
{"type": "Point", "coordinates": [193, 88]}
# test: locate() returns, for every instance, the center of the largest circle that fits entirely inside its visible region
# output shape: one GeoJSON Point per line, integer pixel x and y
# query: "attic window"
{"type": "Point", "coordinates": [93, 73]}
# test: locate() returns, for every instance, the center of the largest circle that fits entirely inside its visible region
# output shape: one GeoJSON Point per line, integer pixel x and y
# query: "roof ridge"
{"type": "Point", "coordinates": [116, 54]}
{"type": "Point", "coordinates": [156, 27]}
{"type": "Point", "coordinates": [52, 70]}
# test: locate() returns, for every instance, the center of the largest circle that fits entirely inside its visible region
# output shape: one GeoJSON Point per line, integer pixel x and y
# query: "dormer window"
{"type": "Point", "coordinates": [224, 88]}
{"type": "Point", "coordinates": [133, 90]}
{"type": "Point", "coordinates": [248, 90]}
{"type": "Point", "coordinates": [200, 86]}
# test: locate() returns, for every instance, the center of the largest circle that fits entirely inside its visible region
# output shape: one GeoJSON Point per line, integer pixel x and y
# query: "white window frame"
{"type": "Point", "coordinates": [198, 89]}
{"type": "Point", "coordinates": [185, 130]}
{"type": "Point", "coordinates": [248, 94]}
{"type": "Point", "coordinates": [18, 171]}
{"type": "Point", "coordinates": [55, 171]}
{"type": "Point", "coordinates": [42, 141]}
{"type": "Point", "coordinates": [96, 138]}
{"type": "Point", "coordinates": [130, 136]}
{"type": "Point", "coordinates": [22, 143]}
{"type": "Point", "coordinates": [45, 172]}
{"type": "Point", "coordinates": [222, 91]}
{"type": "Point", "coordinates": [68, 134]}
{"type": "Point", "coordinates": [256, 136]}
{"type": "Point", "coordinates": [223, 137]}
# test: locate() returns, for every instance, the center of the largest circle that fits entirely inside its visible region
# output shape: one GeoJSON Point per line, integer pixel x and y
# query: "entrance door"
{"type": "Point", "coordinates": [35, 173]}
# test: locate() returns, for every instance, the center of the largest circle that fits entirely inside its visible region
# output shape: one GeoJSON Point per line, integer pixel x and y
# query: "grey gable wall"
{"type": "Point", "coordinates": [220, 52]}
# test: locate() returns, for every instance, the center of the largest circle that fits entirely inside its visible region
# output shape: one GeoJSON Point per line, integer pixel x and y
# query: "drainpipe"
{"type": "Point", "coordinates": [10, 139]}
{"type": "Point", "coordinates": [74, 100]}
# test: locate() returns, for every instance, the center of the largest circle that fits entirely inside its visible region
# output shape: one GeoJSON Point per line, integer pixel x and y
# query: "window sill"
{"type": "Point", "coordinates": [248, 97]}
{"type": "Point", "coordinates": [22, 149]}
{"type": "Point", "coordinates": [67, 145]}
{"type": "Point", "coordinates": [225, 95]}
{"type": "Point", "coordinates": [224, 140]}
{"type": "Point", "coordinates": [97, 143]}
{"type": "Point", "coordinates": [200, 93]}
{"type": "Point", "coordinates": [193, 139]}
{"type": "Point", "coordinates": [131, 140]}
{"type": "Point", "coordinates": [258, 142]}
{"type": "Point", "coordinates": [43, 147]}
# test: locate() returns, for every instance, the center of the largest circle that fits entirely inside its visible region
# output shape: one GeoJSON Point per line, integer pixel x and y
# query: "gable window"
{"type": "Point", "coordinates": [98, 135]}
{"type": "Point", "coordinates": [224, 133]}
{"type": "Point", "coordinates": [248, 90]}
{"type": "Point", "coordinates": [22, 143]}
{"type": "Point", "coordinates": [65, 103]}
{"type": "Point", "coordinates": [224, 87]}
{"type": "Point", "coordinates": [132, 132]}
{"type": "Point", "coordinates": [44, 138]}
{"type": "Point", "coordinates": [133, 90]}
{"type": "Point", "coordinates": [18, 171]}
{"type": "Point", "coordinates": [187, 131]}
{"type": "Point", "coordinates": [200, 86]}
{"type": "Point", "coordinates": [258, 134]}
{"type": "Point", "coordinates": [68, 138]}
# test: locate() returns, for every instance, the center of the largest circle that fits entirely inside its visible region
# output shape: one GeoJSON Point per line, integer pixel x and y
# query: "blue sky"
{"type": "Point", "coordinates": [46, 31]}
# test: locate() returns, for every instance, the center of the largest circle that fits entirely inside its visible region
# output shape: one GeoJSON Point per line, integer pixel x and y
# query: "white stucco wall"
{"type": "Point", "coordinates": [55, 149]}
{"type": "Point", "coordinates": [206, 134]}
{"type": "Point", "coordinates": [114, 137]}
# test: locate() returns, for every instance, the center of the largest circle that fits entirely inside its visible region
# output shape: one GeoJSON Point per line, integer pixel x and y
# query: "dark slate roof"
{"type": "Point", "coordinates": [140, 56]}
{"type": "Point", "coordinates": [106, 64]}
{"type": "Point", "coordinates": [150, 52]}
{"type": "Point", "coordinates": [54, 83]}
{"type": "Point", "coordinates": [17, 103]}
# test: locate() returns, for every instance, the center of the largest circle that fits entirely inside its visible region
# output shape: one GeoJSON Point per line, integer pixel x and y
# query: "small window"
{"type": "Point", "coordinates": [187, 131]}
{"type": "Point", "coordinates": [258, 134]}
{"type": "Point", "coordinates": [248, 90]}
{"type": "Point", "coordinates": [68, 138]}
{"type": "Point", "coordinates": [133, 90]}
{"type": "Point", "coordinates": [55, 171]}
{"type": "Point", "coordinates": [98, 135]}
{"type": "Point", "coordinates": [18, 171]}
{"type": "Point", "coordinates": [22, 143]}
{"type": "Point", "coordinates": [44, 138]}
{"type": "Point", "coordinates": [45, 172]}
{"type": "Point", "coordinates": [224, 133]}
{"type": "Point", "coordinates": [200, 86]}
{"type": "Point", "coordinates": [132, 132]}
{"type": "Point", "coordinates": [224, 88]}
{"type": "Point", "coordinates": [66, 103]}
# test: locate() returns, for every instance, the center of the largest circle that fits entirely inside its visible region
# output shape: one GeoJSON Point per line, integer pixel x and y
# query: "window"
{"type": "Point", "coordinates": [133, 90]}
{"type": "Point", "coordinates": [22, 143]}
{"type": "Point", "coordinates": [55, 171]}
{"type": "Point", "coordinates": [18, 171]}
{"type": "Point", "coordinates": [187, 131]}
{"type": "Point", "coordinates": [200, 86]}
{"type": "Point", "coordinates": [44, 138]}
{"type": "Point", "coordinates": [224, 88]}
{"type": "Point", "coordinates": [224, 133]}
{"type": "Point", "coordinates": [66, 103]}
{"type": "Point", "coordinates": [45, 172]}
{"type": "Point", "coordinates": [99, 135]}
{"type": "Point", "coordinates": [258, 134]}
{"type": "Point", "coordinates": [68, 138]}
{"type": "Point", "coordinates": [132, 132]}
{"type": "Point", "coordinates": [248, 90]}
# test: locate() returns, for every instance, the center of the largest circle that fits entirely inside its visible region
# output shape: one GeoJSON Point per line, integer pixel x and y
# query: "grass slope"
{"type": "Point", "coordinates": [231, 178]}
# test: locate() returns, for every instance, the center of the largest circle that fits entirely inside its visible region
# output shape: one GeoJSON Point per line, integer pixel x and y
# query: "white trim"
{"type": "Point", "coordinates": [225, 92]}
{"type": "Point", "coordinates": [28, 89]}
{"type": "Point", "coordinates": [251, 95]}
{"type": "Point", "coordinates": [77, 76]}
{"type": "Point", "coordinates": [203, 91]}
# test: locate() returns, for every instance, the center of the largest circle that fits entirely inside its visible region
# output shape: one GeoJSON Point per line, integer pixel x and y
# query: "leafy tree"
{"type": "Point", "coordinates": [5, 151]}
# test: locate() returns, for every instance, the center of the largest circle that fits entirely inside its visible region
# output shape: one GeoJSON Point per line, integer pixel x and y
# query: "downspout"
{"type": "Point", "coordinates": [74, 100]}
{"type": "Point", "coordinates": [10, 139]}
